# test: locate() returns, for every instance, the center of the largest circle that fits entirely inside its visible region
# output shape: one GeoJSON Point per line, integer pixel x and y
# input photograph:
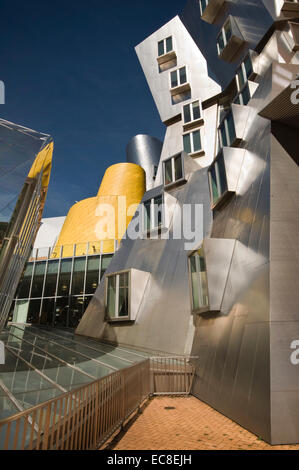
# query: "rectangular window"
{"type": "Point", "coordinates": [24, 286]}
{"type": "Point", "coordinates": [244, 96]}
{"type": "Point", "coordinates": [64, 277]}
{"type": "Point", "coordinates": [217, 179]}
{"type": "Point", "coordinates": [192, 112]}
{"type": "Point", "coordinates": [117, 300]}
{"type": "Point", "coordinates": [38, 279]}
{"type": "Point", "coordinates": [153, 214]}
{"type": "Point", "coordinates": [165, 46]}
{"type": "Point", "coordinates": [178, 77]}
{"type": "Point", "coordinates": [92, 274]}
{"type": "Point", "coordinates": [51, 278]}
{"type": "Point", "coordinates": [203, 4]}
{"type": "Point", "coordinates": [78, 276]}
{"type": "Point", "coordinates": [244, 72]}
{"type": "Point", "coordinates": [227, 131]}
{"type": "Point", "coordinates": [192, 142]}
{"type": "Point", "coordinates": [224, 36]}
{"type": "Point", "coordinates": [199, 285]}
{"type": "Point", "coordinates": [105, 263]}
{"type": "Point", "coordinates": [173, 170]}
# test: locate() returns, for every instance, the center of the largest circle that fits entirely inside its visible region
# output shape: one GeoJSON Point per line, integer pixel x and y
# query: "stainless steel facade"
{"type": "Point", "coordinates": [246, 339]}
{"type": "Point", "coordinates": [145, 151]}
{"type": "Point", "coordinates": [26, 158]}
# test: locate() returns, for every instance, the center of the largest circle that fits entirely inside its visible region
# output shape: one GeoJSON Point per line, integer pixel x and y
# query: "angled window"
{"type": "Point", "coordinates": [117, 295]}
{"type": "Point", "coordinates": [244, 72]}
{"type": "Point", "coordinates": [224, 36]}
{"type": "Point", "coordinates": [226, 131]}
{"type": "Point", "coordinates": [217, 179]}
{"type": "Point", "coordinates": [203, 5]}
{"type": "Point", "coordinates": [192, 142]}
{"type": "Point", "coordinates": [165, 46]}
{"type": "Point", "coordinates": [192, 112]}
{"type": "Point", "coordinates": [153, 213]}
{"type": "Point", "coordinates": [198, 280]}
{"type": "Point", "coordinates": [244, 96]}
{"type": "Point", "coordinates": [178, 77]}
{"type": "Point", "coordinates": [173, 170]}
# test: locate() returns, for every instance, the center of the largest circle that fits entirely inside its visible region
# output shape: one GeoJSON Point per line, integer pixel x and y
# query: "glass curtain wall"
{"type": "Point", "coordinates": [57, 292]}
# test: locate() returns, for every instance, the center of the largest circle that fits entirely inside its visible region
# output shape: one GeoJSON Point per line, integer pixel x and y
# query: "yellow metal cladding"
{"type": "Point", "coordinates": [92, 220]}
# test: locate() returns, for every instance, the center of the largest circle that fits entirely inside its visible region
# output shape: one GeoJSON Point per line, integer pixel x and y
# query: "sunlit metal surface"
{"type": "Point", "coordinates": [244, 366]}
{"type": "Point", "coordinates": [145, 151]}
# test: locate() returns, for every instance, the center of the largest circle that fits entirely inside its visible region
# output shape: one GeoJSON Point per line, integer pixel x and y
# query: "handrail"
{"type": "Point", "coordinates": [85, 417]}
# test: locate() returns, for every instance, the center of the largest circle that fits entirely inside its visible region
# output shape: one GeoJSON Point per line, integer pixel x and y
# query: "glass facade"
{"type": "Point", "coordinates": [56, 292]}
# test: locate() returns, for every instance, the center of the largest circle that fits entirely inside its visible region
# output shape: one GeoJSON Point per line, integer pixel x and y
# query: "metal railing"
{"type": "Point", "coordinates": [86, 417]}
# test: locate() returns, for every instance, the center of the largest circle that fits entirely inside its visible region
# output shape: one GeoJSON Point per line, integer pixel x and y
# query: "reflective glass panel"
{"type": "Point", "coordinates": [61, 312]}
{"type": "Point", "coordinates": [187, 113]}
{"type": "Point", "coordinates": [105, 263]}
{"type": "Point", "coordinates": [64, 277]}
{"type": "Point", "coordinates": [248, 66]}
{"type": "Point", "coordinates": [47, 312]}
{"type": "Point", "coordinates": [147, 215]}
{"type": "Point", "coordinates": [220, 43]}
{"type": "Point", "coordinates": [123, 309]}
{"type": "Point", "coordinates": [183, 75]}
{"type": "Point", "coordinates": [78, 276]}
{"type": "Point", "coordinates": [214, 187]}
{"type": "Point", "coordinates": [231, 128]}
{"type": "Point", "coordinates": [24, 286]}
{"type": "Point", "coordinates": [169, 44]}
{"type": "Point", "coordinates": [111, 296]}
{"type": "Point", "coordinates": [38, 279]}
{"type": "Point", "coordinates": [178, 169]}
{"type": "Point", "coordinates": [222, 132]}
{"type": "Point", "coordinates": [196, 110]}
{"type": "Point", "coordinates": [33, 311]}
{"type": "Point", "coordinates": [51, 278]}
{"type": "Point", "coordinates": [187, 143]}
{"type": "Point", "coordinates": [168, 172]}
{"type": "Point", "coordinates": [160, 48]}
{"type": "Point", "coordinates": [196, 141]}
{"type": "Point", "coordinates": [158, 211]}
{"type": "Point", "coordinates": [92, 274]}
{"type": "Point", "coordinates": [75, 311]}
{"type": "Point", "coordinates": [174, 79]}
{"type": "Point", "coordinates": [222, 183]}
{"type": "Point", "coordinates": [228, 31]}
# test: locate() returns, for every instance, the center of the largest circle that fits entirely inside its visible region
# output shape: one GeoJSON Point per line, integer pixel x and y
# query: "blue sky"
{"type": "Point", "coordinates": [70, 70]}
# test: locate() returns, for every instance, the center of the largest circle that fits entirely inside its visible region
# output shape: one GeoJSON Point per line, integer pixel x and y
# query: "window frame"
{"type": "Point", "coordinates": [223, 34]}
{"type": "Point", "coordinates": [203, 308]}
{"type": "Point", "coordinates": [174, 182]}
{"type": "Point", "coordinates": [224, 121]}
{"type": "Point", "coordinates": [200, 6]}
{"type": "Point", "coordinates": [189, 123]}
{"type": "Point", "coordinates": [152, 215]}
{"type": "Point", "coordinates": [165, 52]}
{"type": "Point", "coordinates": [177, 70]}
{"type": "Point", "coordinates": [194, 152]}
{"type": "Point", "coordinates": [117, 275]}
{"type": "Point", "coordinates": [215, 202]}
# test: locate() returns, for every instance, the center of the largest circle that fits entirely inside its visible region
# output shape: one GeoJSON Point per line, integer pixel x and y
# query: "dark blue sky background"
{"type": "Point", "coordinates": [70, 70]}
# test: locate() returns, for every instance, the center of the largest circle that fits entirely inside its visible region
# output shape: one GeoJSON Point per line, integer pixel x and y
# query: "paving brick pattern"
{"type": "Point", "coordinates": [188, 424]}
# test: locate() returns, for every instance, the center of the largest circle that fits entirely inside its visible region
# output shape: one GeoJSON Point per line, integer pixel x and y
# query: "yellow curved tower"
{"type": "Point", "coordinates": [99, 221]}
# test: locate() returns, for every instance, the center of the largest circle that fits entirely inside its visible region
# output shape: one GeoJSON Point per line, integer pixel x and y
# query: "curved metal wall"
{"type": "Point", "coordinates": [145, 151]}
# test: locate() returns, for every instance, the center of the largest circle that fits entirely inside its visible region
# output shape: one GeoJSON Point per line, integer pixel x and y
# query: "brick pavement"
{"type": "Point", "coordinates": [191, 425]}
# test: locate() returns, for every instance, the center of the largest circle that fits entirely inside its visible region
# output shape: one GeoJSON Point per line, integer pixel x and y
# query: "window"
{"type": "Point", "coordinates": [226, 131]}
{"type": "Point", "coordinates": [192, 142]}
{"type": "Point", "coordinates": [173, 170]}
{"type": "Point", "coordinates": [92, 274]}
{"type": "Point", "coordinates": [224, 36]}
{"type": "Point", "coordinates": [64, 277]}
{"type": "Point", "coordinates": [38, 279]}
{"type": "Point", "coordinates": [51, 278]}
{"type": "Point", "coordinates": [203, 5]}
{"type": "Point", "coordinates": [24, 286]}
{"type": "Point", "coordinates": [191, 112]}
{"type": "Point", "coordinates": [165, 46]}
{"type": "Point", "coordinates": [105, 263]}
{"type": "Point", "coordinates": [117, 295]}
{"type": "Point", "coordinates": [217, 179]}
{"type": "Point", "coordinates": [199, 285]}
{"type": "Point", "coordinates": [244, 96]}
{"type": "Point", "coordinates": [153, 213]}
{"type": "Point", "coordinates": [178, 77]}
{"type": "Point", "coordinates": [78, 276]}
{"type": "Point", "coordinates": [244, 72]}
